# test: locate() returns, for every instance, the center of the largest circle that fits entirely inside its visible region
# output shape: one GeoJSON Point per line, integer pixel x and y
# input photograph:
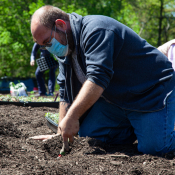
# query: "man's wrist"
{"type": "Point", "coordinates": [72, 115]}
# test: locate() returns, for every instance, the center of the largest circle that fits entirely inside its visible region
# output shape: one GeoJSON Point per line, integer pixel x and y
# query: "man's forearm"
{"type": "Point", "coordinates": [88, 95]}
{"type": "Point", "coordinates": [63, 108]}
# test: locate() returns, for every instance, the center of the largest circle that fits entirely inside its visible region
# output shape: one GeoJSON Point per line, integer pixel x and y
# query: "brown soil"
{"type": "Point", "coordinates": [20, 155]}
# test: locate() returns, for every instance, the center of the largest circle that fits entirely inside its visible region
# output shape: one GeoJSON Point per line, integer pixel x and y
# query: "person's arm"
{"type": "Point", "coordinates": [33, 54]}
{"type": "Point", "coordinates": [63, 108]}
{"type": "Point", "coordinates": [88, 95]}
{"type": "Point", "coordinates": [63, 105]}
{"type": "Point", "coordinates": [98, 51]}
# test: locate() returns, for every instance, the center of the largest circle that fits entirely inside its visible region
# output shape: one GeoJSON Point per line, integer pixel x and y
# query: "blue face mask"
{"type": "Point", "coordinates": [57, 48]}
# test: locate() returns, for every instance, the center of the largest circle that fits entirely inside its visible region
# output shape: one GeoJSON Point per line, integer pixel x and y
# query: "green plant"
{"type": "Point", "coordinates": [30, 98]}
{"type": "Point", "coordinates": [53, 117]}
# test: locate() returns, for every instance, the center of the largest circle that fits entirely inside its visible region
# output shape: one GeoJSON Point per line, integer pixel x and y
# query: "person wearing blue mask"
{"type": "Point", "coordinates": [56, 48]}
{"type": "Point", "coordinates": [42, 91]}
{"type": "Point", "coordinates": [114, 85]}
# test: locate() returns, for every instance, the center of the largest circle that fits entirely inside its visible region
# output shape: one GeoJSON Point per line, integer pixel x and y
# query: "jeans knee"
{"type": "Point", "coordinates": [154, 148]}
{"type": "Point", "coordinates": [146, 149]}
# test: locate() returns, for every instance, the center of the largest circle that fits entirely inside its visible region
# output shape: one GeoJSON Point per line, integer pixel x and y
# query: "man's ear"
{"type": "Point", "coordinates": [61, 25]}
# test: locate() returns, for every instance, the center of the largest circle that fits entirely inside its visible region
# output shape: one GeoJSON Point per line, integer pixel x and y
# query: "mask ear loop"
{"type": "Point", "coordinates": [65, 33]}
{"type": "Point", "coordinates": [66, 36]}
{"type": "Point", "coordinates": [55, 31]}
{"type": "Point", "coordinates": [67, 43]}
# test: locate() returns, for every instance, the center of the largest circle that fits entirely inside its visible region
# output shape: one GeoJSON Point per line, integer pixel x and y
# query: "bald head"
{"type": "Point", "coordinates": [37, 16]}
{"type": "Point", "coordinates": [47, 15]}
{"type": "Point", "coordinates": [44, 19]}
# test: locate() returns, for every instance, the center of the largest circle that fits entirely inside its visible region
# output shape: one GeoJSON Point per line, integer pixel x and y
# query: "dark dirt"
{"type": "Point", "coordinates": [20, 155]}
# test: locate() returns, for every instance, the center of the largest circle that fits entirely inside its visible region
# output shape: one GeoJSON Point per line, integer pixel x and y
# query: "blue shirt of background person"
{"type": "Point", "coordinates": [39, 75]}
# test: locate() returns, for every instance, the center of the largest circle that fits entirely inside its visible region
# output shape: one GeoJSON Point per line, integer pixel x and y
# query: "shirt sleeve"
{"type": "Point", "coordinates": [99, 54]}
{"type": "Point", "coordinates": [34, 51]}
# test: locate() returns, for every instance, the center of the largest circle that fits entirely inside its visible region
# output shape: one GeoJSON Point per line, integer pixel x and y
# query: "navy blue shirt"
{"type": "Point", "coordinates": [134, 74]}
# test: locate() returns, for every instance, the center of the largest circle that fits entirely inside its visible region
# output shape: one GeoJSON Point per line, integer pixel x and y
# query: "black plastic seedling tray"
{"type": "Point", "coordinates": [32, 104]}
{"type": "Point", "coordinates": [52, 125]}
{"type": "Point", "coordinates": [46, 63]}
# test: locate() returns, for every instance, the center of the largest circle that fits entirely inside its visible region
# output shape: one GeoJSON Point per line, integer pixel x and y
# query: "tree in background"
{"type": "Point", "coordinates": [15, 37]}
{"type": "Point", "coordinates": [153, 20]}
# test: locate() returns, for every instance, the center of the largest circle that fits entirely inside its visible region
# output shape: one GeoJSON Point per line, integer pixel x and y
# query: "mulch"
{"type": "Point", "coordinates": [21, 155]}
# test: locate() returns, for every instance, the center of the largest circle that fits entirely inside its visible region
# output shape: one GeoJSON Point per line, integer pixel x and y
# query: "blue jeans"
{"type": "Point", "coordinates": [153, 130]}
{"type": "Point", "coordinates": [41, 83]}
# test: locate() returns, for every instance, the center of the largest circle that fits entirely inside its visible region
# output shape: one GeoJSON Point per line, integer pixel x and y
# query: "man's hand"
{"type": "Point", "coordinates": [32, 63]}
{"type": "Point", "coordinates": [69, 127]}
{"type": "Point", "coordinates": [43, 137]}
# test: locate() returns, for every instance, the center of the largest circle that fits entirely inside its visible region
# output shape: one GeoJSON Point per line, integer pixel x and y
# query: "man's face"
{"type": "Point", "coordinates": [43, 35]}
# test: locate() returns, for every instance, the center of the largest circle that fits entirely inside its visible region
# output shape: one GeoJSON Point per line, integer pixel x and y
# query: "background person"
{"type": "Point", "coordinates": [168, 49]}
{"type": "Point", "coordinates": [118, 86]}
{"type": "Point", "coordinates": [39, 75]}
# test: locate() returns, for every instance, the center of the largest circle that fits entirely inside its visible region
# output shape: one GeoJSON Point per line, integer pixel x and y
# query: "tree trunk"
{"type": "Point", "coordinates": [160, 23]}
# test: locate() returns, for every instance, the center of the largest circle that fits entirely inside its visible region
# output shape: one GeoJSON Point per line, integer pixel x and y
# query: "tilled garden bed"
{"type": "Point", "coordinates": [21, 155]}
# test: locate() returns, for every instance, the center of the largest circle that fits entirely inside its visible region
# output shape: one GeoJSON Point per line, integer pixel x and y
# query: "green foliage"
{"type": "Point", "coordinates": [149, 18]}
{"type": "Point", "coordinates": [32, 92]}
{"type": "Point", "coordinates": [34, 6]}
{"type": "Point", "coordinates": [12, 84]}
{"type": "Point", "coordinates": [53, 117]}
{"type": "Point", "coordinates": [16, 42]}
{"type": "Point", "coordinates": [30, 98]}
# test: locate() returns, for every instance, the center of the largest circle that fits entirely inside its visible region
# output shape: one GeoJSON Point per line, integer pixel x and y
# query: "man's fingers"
{"type": "Point", "coordinates": [71, 139]}
{"type": "Point", "coordinates": [65, 144]}
{"type": "Point", "coordinates": [41, 137]}
{"type": "Point", "coordinates": [45, 140]}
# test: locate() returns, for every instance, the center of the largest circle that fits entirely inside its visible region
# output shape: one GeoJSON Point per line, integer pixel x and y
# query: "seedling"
{"type": "Point", "coordinates": [62, 153]}
{"type": "Point", "coordinates": [53, 117]}
{"type": "Point", "coordinates": [26, 99]}
{"type": "Point", "coordinates": [64, 149]}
